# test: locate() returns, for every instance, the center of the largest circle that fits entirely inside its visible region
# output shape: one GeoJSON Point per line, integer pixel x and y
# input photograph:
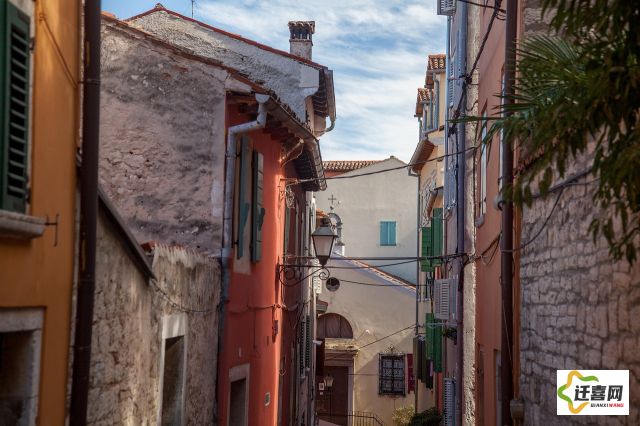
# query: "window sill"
{"type": "Point", "coordinates": [20, 226]}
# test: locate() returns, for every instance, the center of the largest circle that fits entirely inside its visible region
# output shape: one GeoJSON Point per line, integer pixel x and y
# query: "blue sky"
{"type": "Point", "coordinates": [377, 50]}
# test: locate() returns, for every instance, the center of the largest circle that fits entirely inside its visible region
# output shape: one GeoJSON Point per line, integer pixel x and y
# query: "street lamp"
{"type": "Point", "coordinates": [328, 380]}
{"type": "Point", "coordinates": [323, 239]}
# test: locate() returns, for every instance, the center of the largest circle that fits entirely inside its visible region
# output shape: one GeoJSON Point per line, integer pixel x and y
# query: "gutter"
{"type": "Point", "coordinates": [230, 166]}
{"type": "Point", "coordinates": [88, 214]}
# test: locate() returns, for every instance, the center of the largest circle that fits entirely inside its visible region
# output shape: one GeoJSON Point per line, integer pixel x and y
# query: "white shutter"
{"type": "Point", "coordinates": [447, 7]}
{"type": "Point", "coordinates": [449, 401]}
{"type": "Point", "coordinates": [445, 298]}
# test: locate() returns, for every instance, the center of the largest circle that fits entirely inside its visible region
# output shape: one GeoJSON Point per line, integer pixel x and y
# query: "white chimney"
{"type": "Point", "coordinates": [300, 38]}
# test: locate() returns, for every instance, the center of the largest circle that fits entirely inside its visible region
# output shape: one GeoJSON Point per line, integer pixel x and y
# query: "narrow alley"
{"type": "Point", "coordinates": [321, 213]}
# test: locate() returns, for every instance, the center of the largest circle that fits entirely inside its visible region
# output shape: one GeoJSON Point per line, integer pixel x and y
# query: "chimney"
{"type": "Point", "coordinates": [300, 42]}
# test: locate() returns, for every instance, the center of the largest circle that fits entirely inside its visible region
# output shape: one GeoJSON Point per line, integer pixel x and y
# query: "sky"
{"type": "Point", "coordinates": [377, 50]}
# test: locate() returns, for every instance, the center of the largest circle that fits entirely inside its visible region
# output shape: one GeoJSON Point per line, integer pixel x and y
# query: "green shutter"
{"type": "Point", "coordinates": [427, 249]}
{"type": "Point", "coordinates": [436, 225]}
{"type": "Point", "coordinates": [243, 204]}
{"type": "Point", "coordinates": [258, 211]}
{"type": "Point", "coordinates": [301, 349]}
{"type": "Point", "coordinates": [14, 107]}
{"type": "Point", "coordinates": [430, 335]}
{"type": "Point", "coordinates": [434, 342]}
{"type": "Point", "coordinates": [287, 224]}
{"type": "Point", "coordinates": [308, 343]}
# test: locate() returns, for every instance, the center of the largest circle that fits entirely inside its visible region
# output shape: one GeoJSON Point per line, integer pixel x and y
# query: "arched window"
{"type": "Point", "coordinates": [334, 326]}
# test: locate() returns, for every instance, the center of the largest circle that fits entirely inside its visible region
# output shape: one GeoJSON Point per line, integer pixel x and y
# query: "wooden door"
{"type": "Point", "coordinates": [332, 404]}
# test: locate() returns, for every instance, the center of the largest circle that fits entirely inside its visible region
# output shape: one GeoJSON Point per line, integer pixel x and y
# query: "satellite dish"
{"type": "Point", "coordinates": [332, 284]}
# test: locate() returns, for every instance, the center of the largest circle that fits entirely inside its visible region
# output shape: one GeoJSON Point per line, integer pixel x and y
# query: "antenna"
{"type": "Point", "coordinates": [193, 3]}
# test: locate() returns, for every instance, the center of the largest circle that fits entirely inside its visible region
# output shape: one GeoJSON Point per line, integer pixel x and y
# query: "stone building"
{"type": "Point", "coordinates": [578, 307]}
{"type": "Point", "coordinates": [154, 344]}
{"type": "Point", "coordinates": [211, 142]}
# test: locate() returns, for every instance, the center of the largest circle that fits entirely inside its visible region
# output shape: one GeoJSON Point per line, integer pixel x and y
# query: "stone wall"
{"type": "Point", "coordinates": [126, 356]}
{"type": "Point", "coordinates": [162, 139]}
{"type": "Point", "coordinates": [579, 308]}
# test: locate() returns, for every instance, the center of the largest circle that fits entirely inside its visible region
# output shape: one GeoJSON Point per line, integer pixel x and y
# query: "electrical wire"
{"type": "Point", "coordinates": [177, 305]}
{"type": "Point", "coordinates": [377, 340]}
{"type": "Point", "coordinates": [417, 163]}
{"type": "Point", "coordinates": [466, 78]}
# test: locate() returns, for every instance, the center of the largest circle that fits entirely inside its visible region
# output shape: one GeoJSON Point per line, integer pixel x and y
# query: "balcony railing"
{"type": "Point", "coordinates": [354, 418]}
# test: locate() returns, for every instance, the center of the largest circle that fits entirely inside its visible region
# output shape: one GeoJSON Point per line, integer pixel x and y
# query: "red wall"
{"type": "Point", "coordinates": [256, 300]}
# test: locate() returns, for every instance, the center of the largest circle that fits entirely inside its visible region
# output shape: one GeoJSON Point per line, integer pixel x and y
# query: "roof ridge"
{"type": "Point", "coordinates": [160, 8]}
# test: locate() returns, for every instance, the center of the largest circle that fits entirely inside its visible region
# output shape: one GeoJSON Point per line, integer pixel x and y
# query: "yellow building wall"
{"type": "Point", "coordinates": [39, 273]}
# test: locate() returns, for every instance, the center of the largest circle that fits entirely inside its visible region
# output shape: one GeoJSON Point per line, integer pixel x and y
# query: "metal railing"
{"type": "Point", "coordinates": [354, 418]}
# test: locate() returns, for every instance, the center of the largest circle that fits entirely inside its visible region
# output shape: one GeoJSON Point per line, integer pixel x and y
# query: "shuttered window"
{"type": "Point", "coordinates": [257, 208]}
{"type": "Point", "coordinates": [432, 242]}
{"type": "Point", "coordinates": [391, 374]}
{"type": "Point", "coordinates": [434, 342]}
{"type": "Point", "coordinates": [387, 233]}
{"type": "Point", "coordinates": [244, 205]}
{"type": "Point", "coordinates": [14, 107]}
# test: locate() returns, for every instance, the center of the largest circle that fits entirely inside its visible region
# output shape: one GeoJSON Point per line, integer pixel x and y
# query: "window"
{"type": "Point", "coordinates": [387, 233]}
{"type": "Point", "coordinates": [14, 107]}
{"type": "Point", "coordinates": [391, 374]}
{"type": "Point", "coordinates": [20, 347]}
{"type": "Point", "coordinates": [482, 207]}
{"type": "Point", "coordinates": [173, 366]}
{"type": "Point", "coordinates": [257, 210]}
{"type": "Point", "coordinates": [333, 326]}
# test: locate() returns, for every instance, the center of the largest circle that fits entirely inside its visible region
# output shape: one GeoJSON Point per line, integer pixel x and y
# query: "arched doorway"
{"type": "Point", "coordinates": [333, 403]}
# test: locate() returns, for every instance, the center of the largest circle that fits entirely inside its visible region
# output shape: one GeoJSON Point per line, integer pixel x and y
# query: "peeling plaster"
{"type": "Point", "coordinates": [276, 72]}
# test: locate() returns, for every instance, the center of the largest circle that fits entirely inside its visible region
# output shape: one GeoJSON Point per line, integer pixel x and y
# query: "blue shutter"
{"type": "Point", "coordinates": [257, 211]}
{"type": "Point", "coordinates": [243, 204]}
{"type": "Point", "coordinates": [387, 233]}
{"type": "Point", "coordinates": [392, 233]}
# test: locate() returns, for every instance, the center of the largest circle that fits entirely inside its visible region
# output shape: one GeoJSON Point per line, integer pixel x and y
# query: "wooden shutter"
{"type": "Point", "coordinates": [436, 225]}
{"type": "Point", "coordinates": [14, 107]}
{"type": "Point", "coordinates": [257, 210]}
{"type": "Point", "coordinates": [383, 233]}
{"type": "Point", "coordinates": [308, 342]}
{"type": "Point", "coordinates": [301, 346]}
{"type": "Point", "coordinates": [392, 233]}
{"type": "Point", "coordinates": [449, 402]}
{"type": "Point", "coordinates": [427, 249]}
{"type": "Point", "coordinates": [243, 203]}
{"type": "Point", "coordinates": [434, 342]}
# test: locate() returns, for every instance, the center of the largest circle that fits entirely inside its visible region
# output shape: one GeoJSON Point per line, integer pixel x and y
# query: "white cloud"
{"type": "Point", "coordinates": [377, 50]}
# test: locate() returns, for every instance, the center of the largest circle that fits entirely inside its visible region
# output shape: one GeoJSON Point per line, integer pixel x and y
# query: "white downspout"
{"type": "Point", "coordinates": [230, 166]}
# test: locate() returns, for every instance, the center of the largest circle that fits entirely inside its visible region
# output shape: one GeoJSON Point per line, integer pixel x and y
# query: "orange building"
{"type": "Point", "coordinates": [39, 109]}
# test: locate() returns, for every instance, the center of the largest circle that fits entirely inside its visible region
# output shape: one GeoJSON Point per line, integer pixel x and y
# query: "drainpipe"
{"type": "Point", "coordinates": [230, 166]}
{"type": "Point", "coordinates": [460, 228]}
{"type": "Point", "coordinates": [88, 214]}
{"type": "Point", "coordinates": [506, 255]}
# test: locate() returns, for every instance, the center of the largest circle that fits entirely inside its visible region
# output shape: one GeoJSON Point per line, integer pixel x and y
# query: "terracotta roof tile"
{"type": "Point", "coordinates": [424, 95]}
{"type": "Point", "coordinates": [437, 62]}
{"type": "Point", "coordinates": [347, 166]}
